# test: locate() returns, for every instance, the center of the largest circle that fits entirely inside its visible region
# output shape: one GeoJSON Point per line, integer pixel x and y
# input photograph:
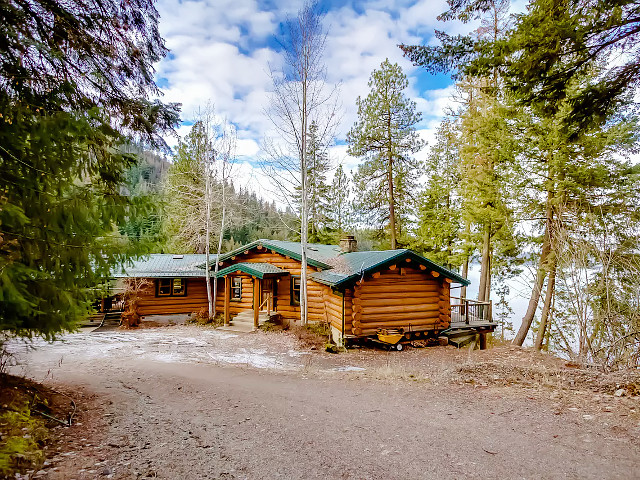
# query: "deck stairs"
{"type": "Point", "coordinates": [243, 322]}
{"type": "Point", "coordinates": [112, 319]}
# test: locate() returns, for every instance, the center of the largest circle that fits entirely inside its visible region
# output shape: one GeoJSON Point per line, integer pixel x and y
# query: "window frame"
{"type": "Point", "coordinates": [231, 288]}
{"type": "Point", "coordinates": [292, 289]}
{"type": "Point", "coordinates": [171, 285]}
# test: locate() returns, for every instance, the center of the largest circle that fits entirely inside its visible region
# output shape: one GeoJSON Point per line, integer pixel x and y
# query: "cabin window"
{"type": "Point", "coordinates": [236, 288]}
{"type": "Point", "coordinates": [171, 287]}
{"type": "Point", "coordinates": [295, 290]}
{"type": "Point", "coordinates": [178, 287]}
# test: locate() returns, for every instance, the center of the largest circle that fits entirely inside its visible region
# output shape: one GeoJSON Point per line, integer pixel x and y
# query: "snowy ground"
{"type": "Point", "coordinates": [179, 344]}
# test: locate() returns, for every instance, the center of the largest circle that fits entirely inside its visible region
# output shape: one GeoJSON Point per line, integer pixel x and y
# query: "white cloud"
{"type": "Point", "coordinates": [221, 51]}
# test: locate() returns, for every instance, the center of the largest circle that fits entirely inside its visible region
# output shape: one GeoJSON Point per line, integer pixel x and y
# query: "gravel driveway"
{"type": "Point", "coordinates": [183, 402]}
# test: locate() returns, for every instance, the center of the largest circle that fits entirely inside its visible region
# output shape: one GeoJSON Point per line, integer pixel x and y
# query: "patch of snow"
{"type": "Point", "coordinates": [347, 368]}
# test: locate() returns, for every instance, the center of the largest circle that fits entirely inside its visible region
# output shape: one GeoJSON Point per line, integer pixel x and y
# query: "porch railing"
{"type": "Point", "coordinates": [470, 312]}
{"type": "Point", "coordinates": [268, 301]}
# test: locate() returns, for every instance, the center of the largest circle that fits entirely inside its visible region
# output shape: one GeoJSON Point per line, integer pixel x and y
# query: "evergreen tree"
{"type": "Point", "coordinates": [438, 232]}
{"type": "Point", "coordinates": [385, 136]}
{"type": "Point", "coordinates": [487, 151]}
{"type": "Point", "coordinates": [549, 49]}
{"type": "Point", "coordinates": [339, 208]}
{"type": "Point", "coordinates": [318, 165]}
{"type": "Point", "coordinates": [75, 78]}
{"type": "Point", "coordinates": [186, 209]}
{"type": "Point", "coordinates": [143, 181]}
{"type": "Point", "coordinates": [566, 178]}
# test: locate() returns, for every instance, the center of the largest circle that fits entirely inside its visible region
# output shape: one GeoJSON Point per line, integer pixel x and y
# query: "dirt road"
{"type": "Point", "coordinates": [160, 411]}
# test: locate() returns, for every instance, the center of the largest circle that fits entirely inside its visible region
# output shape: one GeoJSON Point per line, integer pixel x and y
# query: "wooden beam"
{"type": "Point", "coordinates": [227, 295]}
{"type": "Point", "coordinates": [233, 258]}
{"type": "Point", "coordinates": [423, 267]}
{"type": "Point", "coordinates": [256, 302]}
{"type": "Point", "coordinates": [246, 252]}
{"type": "Point", "coordinates": [407, 260]}
{"type": "Point", "coordinates": [392, 267]}
{"type": "Point", "coordinates": [448, 280]}
{"type": "Point", "coordinates": [376, 275]}
{"type": "Point", "coordinates": [259, 247]}
{"type": "Point", "coordinates": [435, 274]}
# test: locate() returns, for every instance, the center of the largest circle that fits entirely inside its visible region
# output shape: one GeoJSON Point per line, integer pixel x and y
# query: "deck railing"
{"type": "Point", "coordinates": [470, 312]}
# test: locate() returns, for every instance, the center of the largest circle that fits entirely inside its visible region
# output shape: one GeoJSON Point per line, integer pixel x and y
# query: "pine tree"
{"type": "Point", "coordinates": [75, 83]}
{"type": "Point", "coordinates": [546, 53]}
{"type": "Point", "coordinates": [186, 209]}
{"type": "Point", "coordinates": [385, 136]}
{"type": "Point", "coordinates": [318, 165]}
{"type": "Point", "coordinates": [438, 232]}
{"type": "Point", "coordinates": [339, 208]}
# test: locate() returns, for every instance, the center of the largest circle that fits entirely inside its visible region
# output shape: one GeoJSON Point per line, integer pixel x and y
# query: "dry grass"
{"type": "Point", "coordinates": [314, 335]}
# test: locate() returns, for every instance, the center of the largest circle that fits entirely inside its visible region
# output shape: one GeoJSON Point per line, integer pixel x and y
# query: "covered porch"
{"type": "Point", "coordinates": [253, 287]}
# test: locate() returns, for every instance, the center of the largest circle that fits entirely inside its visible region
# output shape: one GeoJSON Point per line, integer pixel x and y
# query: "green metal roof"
{"type": "Point", "coordinates": [349, 267]}
{"type": "Point", "coordinates": [318, 255]}
{"type": "Point", "coordinates": [259, 270]}
{"type": "Point", "coordinates": [339, 269]}
{"type": "Point", "coordinates": [162, 265]}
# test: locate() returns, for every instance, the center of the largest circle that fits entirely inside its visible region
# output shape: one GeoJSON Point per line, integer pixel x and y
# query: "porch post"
{"type": "Point", "coordinates": [227, 285]}
{"type": "Point", "coordinates": [256, 302]}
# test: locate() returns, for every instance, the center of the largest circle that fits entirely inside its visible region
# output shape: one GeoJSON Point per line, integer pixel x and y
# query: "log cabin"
{"type": "Point", "coordinates": [357, 293]}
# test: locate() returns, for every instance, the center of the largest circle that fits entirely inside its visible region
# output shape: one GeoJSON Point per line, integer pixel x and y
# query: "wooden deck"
{"type": "Point", "coordinates": [471, 314]}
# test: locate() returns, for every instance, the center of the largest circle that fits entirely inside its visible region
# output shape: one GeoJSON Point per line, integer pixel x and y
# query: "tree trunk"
{"type": "Point", "coordinates": [465, 265]}
{"type": "Point", "coordinates": [465, 272]}
{"type": "Point", "coordinates": [542, 328]}
{"type": "Point", "coordinates": [304, 220]}
{"type": "Point", "coordinates": [540, 276]}
{"type": "Point", "coordinates": [208, 239]}
{"type": "Point", "coordinates": [485, 264]}
{"type": "Point", "coordinates": [392, 200]}
{"type": "Point", "coordinates": [222, 226]}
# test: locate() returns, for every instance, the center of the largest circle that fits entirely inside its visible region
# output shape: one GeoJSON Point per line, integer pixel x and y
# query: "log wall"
{"type": "Point", "coordinates": [195, 299]}
{"type": "Point", "coordinates": [402, 297]}
{"type": "Point", "coordinates": [246, 299]}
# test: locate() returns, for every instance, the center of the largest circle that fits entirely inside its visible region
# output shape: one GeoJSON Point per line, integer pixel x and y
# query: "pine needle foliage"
{"type": "Point", "coordinates": [385, 137]}
{"type": "Point", "coordinates": [75, 78]}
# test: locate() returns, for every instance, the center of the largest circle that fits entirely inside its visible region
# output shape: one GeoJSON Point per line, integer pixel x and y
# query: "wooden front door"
{"type": "Point", "coordinates": [267, 292]}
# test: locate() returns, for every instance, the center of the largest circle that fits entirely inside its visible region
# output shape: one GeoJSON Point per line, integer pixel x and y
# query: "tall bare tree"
{"type": "Point", "coordinates": [197, 187]}
{"type": "Point", "coordinates": [300, 98]}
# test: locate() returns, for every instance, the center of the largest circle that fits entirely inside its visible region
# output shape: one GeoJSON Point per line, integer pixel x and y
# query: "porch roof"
{"type": "Point", "coordinates": [260, 270]}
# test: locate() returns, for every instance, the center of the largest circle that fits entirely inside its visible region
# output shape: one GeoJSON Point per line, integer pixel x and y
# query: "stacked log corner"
{"type": "Point", "coordinates": [444, 305]}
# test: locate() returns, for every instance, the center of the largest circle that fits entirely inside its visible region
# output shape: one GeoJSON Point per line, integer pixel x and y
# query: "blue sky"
{"type": "Point", "coordinates": [222, 51]}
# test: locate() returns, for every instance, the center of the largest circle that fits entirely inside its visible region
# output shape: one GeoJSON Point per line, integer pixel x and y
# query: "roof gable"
{"type": "Point", "coordinates": [318, 255]}
{"type": "Point", "coordinates": [259, 270]}
{"type": "Point", "coordinates": [349, 267]}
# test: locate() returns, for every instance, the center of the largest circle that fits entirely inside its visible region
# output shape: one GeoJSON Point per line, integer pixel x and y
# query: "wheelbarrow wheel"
{"type": "Point", "coordinates": [399, 347]}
